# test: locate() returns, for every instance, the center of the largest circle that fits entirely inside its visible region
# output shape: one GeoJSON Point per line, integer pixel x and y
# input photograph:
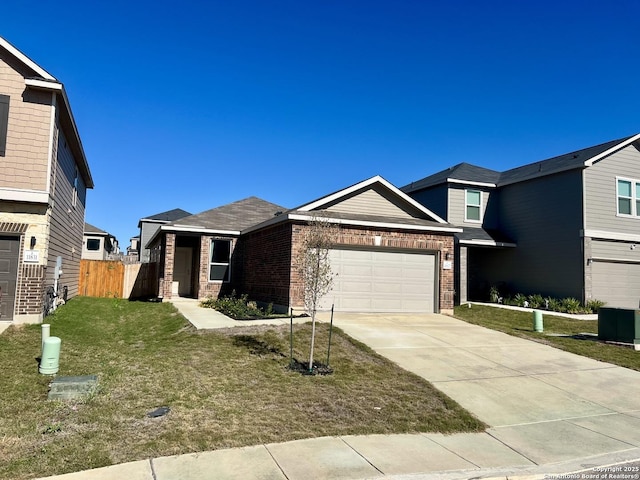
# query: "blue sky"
{"type": "Point", "coordinates": [196, 104]}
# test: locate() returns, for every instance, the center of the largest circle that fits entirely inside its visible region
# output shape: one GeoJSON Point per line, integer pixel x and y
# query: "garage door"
{"type": "Point", "coordinates": [618, 284]}
{"type": "Point", "coordinates": [373, 281]}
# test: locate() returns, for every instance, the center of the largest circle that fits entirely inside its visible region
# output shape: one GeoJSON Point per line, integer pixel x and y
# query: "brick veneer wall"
{"type": "Point", "coordinates": [263, 264]}
{"type": "Point", "coordinates": [169, 258]}
{"type": "Point", "coordinates": [269, 259]}
{"type": "Point", "coordinates": [205, 288]}
{"type": "Point", "coordinates": [30, 289]}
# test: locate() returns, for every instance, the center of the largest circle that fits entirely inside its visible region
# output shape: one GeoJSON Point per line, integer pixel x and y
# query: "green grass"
{"type": "Point", "coordinates": [520, 324]}
{"type": "Point", "coordinates": [225, 389]}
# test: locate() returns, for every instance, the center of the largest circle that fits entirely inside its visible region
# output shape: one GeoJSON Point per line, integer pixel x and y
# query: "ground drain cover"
{"type": "Point", "coordinates": [73, 388]}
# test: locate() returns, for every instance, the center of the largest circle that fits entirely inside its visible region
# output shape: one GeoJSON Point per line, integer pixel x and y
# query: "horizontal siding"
{"type": "Point", "coordinates": [457, 205]}
{"type": "Point", "coordinates": [26, 161]}
{"type": "Point", "coordinates": [544, 218]}
{"type": "Point", "coordinates": [435, 199]}
{"type": "Point", "coordinates": [66, 221]}
{"type": "Point", "coordinates": [601, 195]}
{"type": "Point", "coordinates": [375, 201]}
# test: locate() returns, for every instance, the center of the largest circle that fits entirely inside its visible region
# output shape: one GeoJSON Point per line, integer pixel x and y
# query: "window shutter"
{"type": "Point", "coordinates": [4, 120]}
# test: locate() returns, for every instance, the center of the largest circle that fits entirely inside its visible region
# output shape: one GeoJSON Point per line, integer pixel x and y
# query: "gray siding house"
{"type": "Point", "coordinates": [149, 226]}
{"type": "Point", "coordinates": [567, 226]}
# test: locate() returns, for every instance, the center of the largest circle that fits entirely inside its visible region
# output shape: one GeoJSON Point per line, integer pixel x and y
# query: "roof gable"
{"type": "Point", "coordinates": [168, 216]}
{"type": "Point", "coordinates": [464, 173]}
{"type": "Point", "coordinates": [373, 197]}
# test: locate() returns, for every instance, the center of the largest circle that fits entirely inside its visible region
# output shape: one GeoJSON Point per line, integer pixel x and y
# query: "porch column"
{"type": "Point", "coordinates": [462, 278]}
{"type": "Point", "coordinates": [169, 258]}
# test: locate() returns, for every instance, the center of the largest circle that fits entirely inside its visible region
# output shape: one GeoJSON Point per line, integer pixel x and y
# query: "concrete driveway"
{"type": "Point", "coordinates": [546, 404]}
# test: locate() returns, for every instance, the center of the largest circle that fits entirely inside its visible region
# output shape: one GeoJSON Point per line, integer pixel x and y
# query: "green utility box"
{"type": "Point", "coordinates": [619, 325]}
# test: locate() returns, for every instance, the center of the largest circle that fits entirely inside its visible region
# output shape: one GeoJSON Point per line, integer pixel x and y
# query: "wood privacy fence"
{"type": "Point", "coordinates": [114, 279]}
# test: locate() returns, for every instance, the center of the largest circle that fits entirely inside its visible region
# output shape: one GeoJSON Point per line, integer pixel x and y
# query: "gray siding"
{"type": "Point", "coordinates": [601, 196]}
{"type": "Point", "coordinates": [619, 251]}
{"type": "Point", "coordinates": [457, 205]}
{"type": "Point", "coordinates": [147, 230]}
{"type": "Point", "coordinates": [435, 199]}
{"type": "Point", "coordinates": [67, 221]}
{"type": "Point", "coordinates": [375, 201]}
{"type": "Point", "coordinates": [544, 218]}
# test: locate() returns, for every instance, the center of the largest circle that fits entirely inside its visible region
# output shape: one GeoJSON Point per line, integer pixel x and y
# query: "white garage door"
{"type": "Point", "coordinates": [618, 284]}
{"type": "Point", "coordinates": [373, 281]}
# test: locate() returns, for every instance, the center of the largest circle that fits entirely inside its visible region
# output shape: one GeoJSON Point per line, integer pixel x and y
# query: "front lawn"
{"type": "Point", "coordinates": [520, 324]}
{"type": "Point", "coordinates": [224, 388]}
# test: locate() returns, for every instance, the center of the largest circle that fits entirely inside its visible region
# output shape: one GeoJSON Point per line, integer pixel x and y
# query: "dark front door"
{"type": "Point", "coordinates": [9, 256]}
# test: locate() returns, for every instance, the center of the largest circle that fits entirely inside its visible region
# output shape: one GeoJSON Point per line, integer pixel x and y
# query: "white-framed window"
{"type": "Point", "coordinates": [472, 206]}
{"type": "Point", "coordinates": [628, 195]}
{"type": "Point", "coordinates": [219, 260]}
{"type": "Point", "coordinates": [93, 244]}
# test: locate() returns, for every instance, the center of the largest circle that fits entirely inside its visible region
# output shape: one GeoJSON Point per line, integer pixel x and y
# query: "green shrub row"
{"type": "Point", "coordinates": [564, 305]}
{"type": "Point", "coordinates": [238, 307]}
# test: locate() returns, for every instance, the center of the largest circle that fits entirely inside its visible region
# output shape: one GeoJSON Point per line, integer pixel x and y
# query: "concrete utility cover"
{"type": "Point", "coordinates": [73, 388]}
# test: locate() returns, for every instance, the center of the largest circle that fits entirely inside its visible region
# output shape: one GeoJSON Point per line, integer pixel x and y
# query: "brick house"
{"type": "Point", "coordinates": [44, 176]}
{"type": "Point", "coordinates": [391, 253]}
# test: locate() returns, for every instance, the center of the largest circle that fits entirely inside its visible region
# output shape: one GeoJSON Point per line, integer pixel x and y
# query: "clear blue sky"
{"type": "Point", "coordinates": [185, 104]}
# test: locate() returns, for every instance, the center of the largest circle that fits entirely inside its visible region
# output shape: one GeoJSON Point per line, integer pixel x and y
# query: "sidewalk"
{"type": "Point", "coordinates": [546, 412]}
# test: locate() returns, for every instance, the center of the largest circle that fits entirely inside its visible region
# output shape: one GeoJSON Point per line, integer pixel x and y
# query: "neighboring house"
{"type": "Point", "coordinates": [133, 250]}
{"type": "Point", "coordinates": [565, 227]}
{"type": "Point", "coordinates": [391, 255]}
{"type": "Point", "coordinates": [149, 226]}
{"type": "Point", "coordinates": [44, 175]}
{"type": "Point", "coordinates": [98, 244]}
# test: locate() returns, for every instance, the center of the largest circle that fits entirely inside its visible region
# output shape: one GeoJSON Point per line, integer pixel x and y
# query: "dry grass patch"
{"type": "Point", "coordinates": [225, 388]}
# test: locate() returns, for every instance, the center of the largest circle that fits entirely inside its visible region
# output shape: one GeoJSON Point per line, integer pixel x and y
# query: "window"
{"type": "Point", "coordinates": [93, 244]}
{"type": "Point", "coordinates": [628, 192]}
{"type": "Point", "coordinates": [473, 202]}
{"type": "Point", "coordinates": [219, 254]}
{"type": "Point", "coordinates": [4, 121]}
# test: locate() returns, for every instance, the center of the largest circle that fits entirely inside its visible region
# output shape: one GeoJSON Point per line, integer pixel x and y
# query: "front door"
{"type": "Point", "coordinates": [182, 269]}
{"type": "Point", "coordinates": [9, 256]}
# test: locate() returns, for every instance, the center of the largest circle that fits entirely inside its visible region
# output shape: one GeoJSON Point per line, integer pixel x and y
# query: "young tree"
{"type": "Point", "coordinates": [315, 268]}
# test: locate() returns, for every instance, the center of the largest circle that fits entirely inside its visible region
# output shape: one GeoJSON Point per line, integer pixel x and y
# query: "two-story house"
{"type": "Point", "coordinates": [44, 176]}
{"type": "Point", "coordinates": [98, 244]}
{"type": "Point", "coordinates": [149, 226]}
{"type": "Point", "coordinates": [568, 226]}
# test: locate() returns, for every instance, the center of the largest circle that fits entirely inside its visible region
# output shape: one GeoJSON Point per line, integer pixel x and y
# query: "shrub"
{"type": "Point", "coordinates": [237, 307]}
{"type": "Point", "coordinates": [594, 305]}
{"type": "Point", "coordinates": [494, 294]}
{"type": "Point", "coordinates": [536, 301]}
{"type": "Point", "coordinates": [571, 305]}
{"type": "Point", "coordinates": [519, 300]}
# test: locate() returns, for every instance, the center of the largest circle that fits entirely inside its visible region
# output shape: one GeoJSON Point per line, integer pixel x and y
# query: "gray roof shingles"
{"type": "Point", "coordinates": [169, 216]}
{"type": "Point", "coordinates": [235, 216]}
{"type": "Point", "coordinates": [472, 173]}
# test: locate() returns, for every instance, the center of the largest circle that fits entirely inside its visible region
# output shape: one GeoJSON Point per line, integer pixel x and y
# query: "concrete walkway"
{"type": "Point", "coordinates": [549, 412]}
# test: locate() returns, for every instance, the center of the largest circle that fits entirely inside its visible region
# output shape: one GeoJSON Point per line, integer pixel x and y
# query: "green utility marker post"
{"type": "Point", "coordinates": [537, 321]}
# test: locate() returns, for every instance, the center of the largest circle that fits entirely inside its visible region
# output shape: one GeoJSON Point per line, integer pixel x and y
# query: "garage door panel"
{"type": "Point", "coordinates": [382, 281]}
{"type": "Point", "coordinates": [618, 284]}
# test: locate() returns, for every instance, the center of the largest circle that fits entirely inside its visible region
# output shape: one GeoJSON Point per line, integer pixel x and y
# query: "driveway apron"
{"type": "Point", "coordinates": [546, 404]}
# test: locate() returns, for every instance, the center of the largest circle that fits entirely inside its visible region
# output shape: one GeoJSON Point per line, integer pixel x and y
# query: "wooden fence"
{"type": "Point", "coordinates": [114, 279]}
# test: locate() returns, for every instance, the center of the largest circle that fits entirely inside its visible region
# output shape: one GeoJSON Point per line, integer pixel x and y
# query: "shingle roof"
{"type": "Point", "coordinates": [88, 228]}
{"type": "Point", "coordinates": [168, 216]}
{"type": "Point", "coordinates": [234, 216]}
{"type": "Point", "coordinates": [464, 172]}
{"type": "Point", "coordinates": [568, 161]}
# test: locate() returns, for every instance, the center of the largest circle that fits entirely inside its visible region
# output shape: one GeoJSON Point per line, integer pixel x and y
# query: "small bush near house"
{"type": "Point", "coordinates": [563, 305]}
{"type": "Point", "coordinates": [238, 308]}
